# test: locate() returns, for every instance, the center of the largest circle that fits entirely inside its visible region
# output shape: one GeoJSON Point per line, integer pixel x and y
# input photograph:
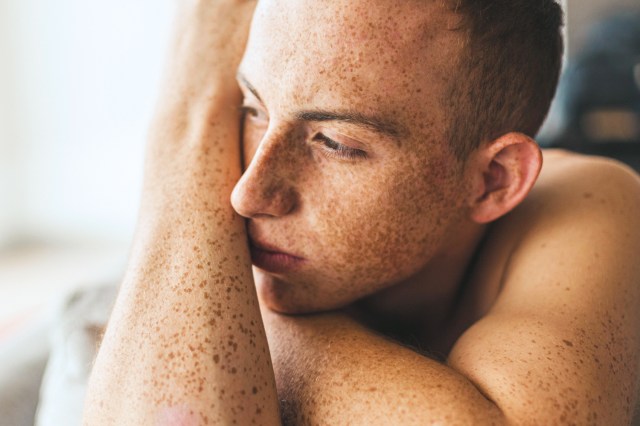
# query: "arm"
{"type": "Point", "coordinates": [542, 355]}
{"type": "Point", "coordinates": [342, 373]}
{"type": "Point", "coordinates": [185, 343]}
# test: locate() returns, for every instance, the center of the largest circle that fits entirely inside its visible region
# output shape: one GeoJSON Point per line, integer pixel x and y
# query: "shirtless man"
{"type": "Point", "coordinates": [388, 193]}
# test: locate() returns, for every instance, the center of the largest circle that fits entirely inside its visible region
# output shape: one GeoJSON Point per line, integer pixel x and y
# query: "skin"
{"type": "Point", "coordinates": [362, 224]}
{"type": "Point", "coordinates": [185, 344]}
{"type": "Point", "coordinates": [544, 338]}
{"type": "Point", "coordinates": [533, 318]}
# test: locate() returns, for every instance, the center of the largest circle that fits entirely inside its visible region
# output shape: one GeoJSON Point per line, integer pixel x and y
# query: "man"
{"type": "Point", "coordinates": [380, 139]}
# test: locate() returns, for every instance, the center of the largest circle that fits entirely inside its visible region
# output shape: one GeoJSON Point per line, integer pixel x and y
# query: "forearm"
{"type": "Point", "coordinates": [344, 373]}
{"type": "Point", "coordinates": [185, 340]}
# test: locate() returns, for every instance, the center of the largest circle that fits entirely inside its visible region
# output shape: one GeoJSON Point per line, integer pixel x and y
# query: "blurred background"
{"type": "Point", "coordinates": [78, 81]}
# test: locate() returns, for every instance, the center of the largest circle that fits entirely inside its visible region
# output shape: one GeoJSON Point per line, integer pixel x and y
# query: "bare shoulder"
{"type": "Point", "coordinates": [563, 333]}
{"type": "Point", "coordinates": [573, 177]}
{"type": "Point", "coordinates": [593, 199]}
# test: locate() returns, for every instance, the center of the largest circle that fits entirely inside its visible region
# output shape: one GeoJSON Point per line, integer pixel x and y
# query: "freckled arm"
{"type": "Point", "coordinates": [185, 344]}
{"type": "Point", "coordinates": [342, 373]}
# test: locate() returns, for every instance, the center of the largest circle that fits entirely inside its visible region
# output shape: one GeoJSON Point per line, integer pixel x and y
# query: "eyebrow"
{"type": "Point", "coordinates": [242, 79]}
{"type": "Point", "coordinates": [377, 124]}
{"type": "Point", "coordinates": [370, 122]}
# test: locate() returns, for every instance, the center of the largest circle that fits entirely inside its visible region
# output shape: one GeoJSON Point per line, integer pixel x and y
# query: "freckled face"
{"type": "Point", "coordinates": [346, 165]}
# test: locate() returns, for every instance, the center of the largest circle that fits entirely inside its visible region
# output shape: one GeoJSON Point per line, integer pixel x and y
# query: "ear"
{"type": "Point", "coordinates": [504, 172]}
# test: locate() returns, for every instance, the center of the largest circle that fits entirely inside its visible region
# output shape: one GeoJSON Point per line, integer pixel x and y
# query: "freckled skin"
{"type": "Point", "coordinates": [185, 343]}
{"type": "Point", "coordinates": [363, 224]}
{"type": "Point", "coordinates": [394, 228]}
{"type": "Point", "coordinates": [535, 317]}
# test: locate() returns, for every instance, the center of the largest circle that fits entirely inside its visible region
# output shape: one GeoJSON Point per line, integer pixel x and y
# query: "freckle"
{"type": "Point", "coordinates": [254, 390]}
{"type": "Point", "coordinates": [216, 358]}
{"type": "Point", "coordinates": [568, 343]}
{"type": "Point", "coordinates": [587, 195]}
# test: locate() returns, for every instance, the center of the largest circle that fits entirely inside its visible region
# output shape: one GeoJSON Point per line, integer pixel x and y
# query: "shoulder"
{"type": "Point", "coordinates": [578, 202]}
{"type": "Point", "coordinates": [581, 179]}
{"type": "Point", "coordinates": [561, 335]}
{"type": "Point", "coordinates": [577, 235]}
{"type": "Point", "coordinates": [583, 211]}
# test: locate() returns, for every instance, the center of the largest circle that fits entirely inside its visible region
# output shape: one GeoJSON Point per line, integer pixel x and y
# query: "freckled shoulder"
{"type": "Point", "coordinates": [559, 333]}
{"type": "Point", "coordinates": [593, 199]}
{"type": "Point", "coordinates": [570, 177]}
{"type": "Point", "coordinates": [572, 190]}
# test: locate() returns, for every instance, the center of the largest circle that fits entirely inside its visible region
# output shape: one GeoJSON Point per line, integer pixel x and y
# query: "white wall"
{"type": "Point", "coordinates": [78, 81]}
{"type": "Point", "coordinates": [7, 150]}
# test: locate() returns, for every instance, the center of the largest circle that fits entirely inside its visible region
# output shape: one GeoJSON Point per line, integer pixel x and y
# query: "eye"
{"type": "Point", "coordinates": [336, 149]}
{"type": "Point", "coordinates": [253, 114]}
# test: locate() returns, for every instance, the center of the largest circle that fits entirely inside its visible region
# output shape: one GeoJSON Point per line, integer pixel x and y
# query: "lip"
{"type": "Point", "coordinates": [272, 259]}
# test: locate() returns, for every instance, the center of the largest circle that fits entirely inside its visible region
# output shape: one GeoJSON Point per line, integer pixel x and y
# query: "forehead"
{"type": "Point", "coordinates": [390, 56]}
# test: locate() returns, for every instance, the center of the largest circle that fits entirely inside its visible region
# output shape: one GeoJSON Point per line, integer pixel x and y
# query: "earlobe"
{"type": "Point", "coordinates": [507, 168]}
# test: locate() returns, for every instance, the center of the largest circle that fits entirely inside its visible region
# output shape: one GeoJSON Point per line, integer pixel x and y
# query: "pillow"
{"type": "Point", "coordinates": [74, 341]}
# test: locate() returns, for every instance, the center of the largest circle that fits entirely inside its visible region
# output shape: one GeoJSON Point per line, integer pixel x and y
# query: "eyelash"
{"type": "Point", "coordinates": [335, 149]}
{"type": "Point", "coordinates": [331, 147]}
{"type": "Point", "coordinates": [247, 110]}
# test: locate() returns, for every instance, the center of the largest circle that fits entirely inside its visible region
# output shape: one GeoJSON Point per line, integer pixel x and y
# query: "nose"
{"type": "Point", "coordinates": [265, 189]}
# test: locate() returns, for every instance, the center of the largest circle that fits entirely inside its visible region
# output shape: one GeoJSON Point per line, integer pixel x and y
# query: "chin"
{"type": "Point", "coordinates": [284, 302]}
{"type": "Point", "coordinates": [288, 298]}
{"type": "Point", "coordinates": [285, 309]}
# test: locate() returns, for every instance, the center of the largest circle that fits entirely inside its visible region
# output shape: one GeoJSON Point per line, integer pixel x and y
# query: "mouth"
{"type": "Point", "coordinates": [273, 259]}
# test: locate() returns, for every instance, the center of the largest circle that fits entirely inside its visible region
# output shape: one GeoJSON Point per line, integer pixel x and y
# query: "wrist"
{"type": "Point", "coordinates": [192, 158]}
{"type": "Point", "coordinates": [194, 105]}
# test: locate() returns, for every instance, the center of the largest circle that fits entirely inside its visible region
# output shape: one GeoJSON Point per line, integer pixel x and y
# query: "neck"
{"type": "Point", "coordinates": [419, 309]}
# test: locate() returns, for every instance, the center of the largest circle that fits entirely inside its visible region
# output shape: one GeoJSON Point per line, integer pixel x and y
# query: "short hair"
{"type": "Point", "coordinates": [507, 72]}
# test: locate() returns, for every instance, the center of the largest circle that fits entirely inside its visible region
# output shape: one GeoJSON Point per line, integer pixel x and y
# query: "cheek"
{"type": "Point", "coordinates": [385, 226]}
{"type": "Point", "coordinates": [365, 229]}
